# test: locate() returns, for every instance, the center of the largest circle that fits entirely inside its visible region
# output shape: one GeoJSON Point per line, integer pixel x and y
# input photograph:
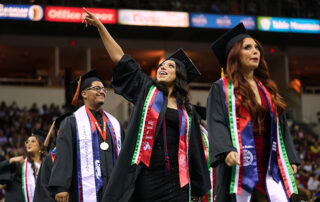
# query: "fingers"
{"type": "Point", "coordinates": [232, 159]}
{"type": "Point", "coordinates": [86, 11]}
{"type": "Point", "coordinates": [294, 168]}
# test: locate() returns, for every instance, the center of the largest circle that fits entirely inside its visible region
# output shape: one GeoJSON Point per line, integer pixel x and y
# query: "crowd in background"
{"type": "Point", "coordinates": [280, 8]}
{"type": "Point", "coordinates": [16, 124]}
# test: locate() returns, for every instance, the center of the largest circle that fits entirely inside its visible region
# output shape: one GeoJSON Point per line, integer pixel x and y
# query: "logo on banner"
{"type": "Point", "coordinates": [98, 169]}
{"type": "Point", "coordinates": [35, 13]}
{"type": "Point", "coordinates": [247, 157]}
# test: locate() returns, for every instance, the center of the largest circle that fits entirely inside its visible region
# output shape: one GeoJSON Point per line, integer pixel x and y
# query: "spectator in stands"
{"type": "Point", "coordinates": [313, 183]}
{"type": "Point", "coordinates": [243, 109]}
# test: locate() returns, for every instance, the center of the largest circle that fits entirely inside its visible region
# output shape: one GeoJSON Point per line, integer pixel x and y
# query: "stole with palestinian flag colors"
{"type": "Point", "coordinates": [28, 181]}
{"type": "Point", "coordinates": [280, 183]}
{"type": "Point", "coordinates": [146, 135]}
{"type": "Point", "coordinates": [209, 196]}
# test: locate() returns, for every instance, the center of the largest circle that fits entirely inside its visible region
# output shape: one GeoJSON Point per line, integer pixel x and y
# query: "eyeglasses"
{"type": "Point", "coordinates": [97, 88]}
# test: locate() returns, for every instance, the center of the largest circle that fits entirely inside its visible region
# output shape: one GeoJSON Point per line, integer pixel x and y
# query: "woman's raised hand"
{"type": "Point", "coordinates": [90, 19]}
{"type": "Point", "coordinates": [17, 159]}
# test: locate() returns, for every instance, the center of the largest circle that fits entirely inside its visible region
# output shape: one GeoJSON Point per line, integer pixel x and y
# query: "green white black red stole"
{"type": "Point", "coordinates": [148, 123]}
{"type": "Point", "coordinates": [280, 183]}
{"type": "Point", "coordinates": [28, 181]}
{"type": "Point", "coordinates": [88, 155]}
{"type": "Point", "coordinates": [209, 196]}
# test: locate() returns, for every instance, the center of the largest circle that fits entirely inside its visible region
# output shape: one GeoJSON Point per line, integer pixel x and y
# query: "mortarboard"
{"type": "Point", "coordinates": [224, 43]}
{"type": "Point", "coordinates": [56, 124]}
{"type": "Point", "coordinates": [82, 83]}
{"type": "Point", "coordinates": [40, 134]}
{"type": "Point", "coordinates": [191, 69]}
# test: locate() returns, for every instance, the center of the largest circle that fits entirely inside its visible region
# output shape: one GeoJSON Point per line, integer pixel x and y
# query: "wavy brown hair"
{"type": "Point", "coordinates": [242, 87]}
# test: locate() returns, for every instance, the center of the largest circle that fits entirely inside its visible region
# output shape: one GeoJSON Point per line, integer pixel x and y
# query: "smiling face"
{"type": "Point", "coordinates": [94, 96]}
{"type": "Point", "coordinates": [166, 73]}
{"type": "Point", "coordinates": [249, 54]}
{"type": "Point", "coordinates": [32, 145]}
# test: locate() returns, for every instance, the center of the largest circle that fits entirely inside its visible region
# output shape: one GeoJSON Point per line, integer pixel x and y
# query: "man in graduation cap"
{"type": "Point", "coordinates": [250, 144]}
{"type": "Point", "coordinates": [19, 174]}
{"type": "Point", "coordinates": [162, 158]}
{"type": "Point", "coordinates": [42, 193]}
{"type": "Point", "coordinates": [88, 145]}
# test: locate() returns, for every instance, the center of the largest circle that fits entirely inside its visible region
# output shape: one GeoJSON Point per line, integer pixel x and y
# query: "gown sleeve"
{"type": "Point", "coordinates": [218, 125]}
{"type": "Point", "coordinates": [200, 178]}
{"type": "Point", "coordinates": [7, 172]}
{"type": "Point", "coordinates": [61, 176]}
{"type": "Point", "coordinates": [127, 78]}
{"type": "Point", "coordinates": [41, 193]}
{"type": "Point", "coordinates": [288, 142]}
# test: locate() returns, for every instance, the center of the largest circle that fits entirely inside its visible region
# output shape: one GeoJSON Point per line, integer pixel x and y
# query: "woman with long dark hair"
{"type": "Point", "coordinates": [252, 149]}
{"type": "Point", "coordinates": [162, 158]}
{"type": "Point", "coordinates": [19, 173]}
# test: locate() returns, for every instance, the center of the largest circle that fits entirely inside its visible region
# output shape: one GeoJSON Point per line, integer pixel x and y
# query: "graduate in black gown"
{"type": "Point", "coordinates": [19, 173]}
{"type": "Point", "coordinates": [42, 193]}
{"type": "Point", "coordinates": [88, 145]}
{"type": "Point", "coordinates": [251, 146]}
{"type": "Point", "coordinates": [162, 158]}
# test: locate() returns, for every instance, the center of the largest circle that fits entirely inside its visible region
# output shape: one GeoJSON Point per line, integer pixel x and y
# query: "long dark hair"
{"type": "Point", "coordinates": [181, 87]}
{"type": "Point", "coordinates": [242, 87]}
{"type": "Point", "coordinates": [42, 155]}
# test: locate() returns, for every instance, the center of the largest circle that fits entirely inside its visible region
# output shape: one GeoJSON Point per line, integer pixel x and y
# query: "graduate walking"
{"type": "Point", "coordinates": [88, 145]}
{"type": "Point", "coordinates": [251, 146]}
{"type": "Point", "coordinates": [162, 158]}
{"type": "Point", "coordinates": [19, 173]}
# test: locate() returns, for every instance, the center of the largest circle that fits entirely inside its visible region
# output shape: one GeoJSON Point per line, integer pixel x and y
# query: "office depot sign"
{"type": "Point", "coordinates": [75, 14]}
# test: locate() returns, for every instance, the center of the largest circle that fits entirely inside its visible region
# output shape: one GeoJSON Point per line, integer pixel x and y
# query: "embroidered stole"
{"type": "Point", "coordinates": [209, 196]}
{"type": "Point", "coordinates": [145, 138]}
{"type": "Point", "coordinates": [280, 180]}
{"type": "Point", "coordinates": [28, 181]}
{"type": "Point", "coordinates": [88, 156]}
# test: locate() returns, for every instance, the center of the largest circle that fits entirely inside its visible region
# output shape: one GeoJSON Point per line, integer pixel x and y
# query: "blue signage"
{"type": "Point", "coordinates": [21, 12]}
{"type": "Point", "coordinates": [221, 21]}
{"type": "Point", "coordinates": [298, 25]}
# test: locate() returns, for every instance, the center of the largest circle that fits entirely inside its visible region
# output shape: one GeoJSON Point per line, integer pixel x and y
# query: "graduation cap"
{"type": "Point", "coordinates": [82, 83]}
{"type": "Point", "coordinates": [202, 111]}
{"type": "Point", "coordinates": [56, 124]}
{"type": "Point", "coordinates": [40, 134]}
{"type": "Point", "coordinates": [224, 43]}
{"type": "Point", "coordinates": [183, 60]}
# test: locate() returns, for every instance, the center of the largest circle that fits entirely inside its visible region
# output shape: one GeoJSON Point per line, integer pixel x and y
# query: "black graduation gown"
{"type": "Point", "coordinates": [221, 143]}
{"type": "Point", "coordinates": [130, 82]}
{"type": "Point", "coordinates": [10, 175]}
{"type": "Point", "coordinates": [64, 172]}
{"type": "Point", "coordinates": [42, 193]}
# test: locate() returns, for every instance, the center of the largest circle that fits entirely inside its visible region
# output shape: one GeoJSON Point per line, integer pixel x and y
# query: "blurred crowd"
{"type": "Point", "coordinates": [280, 8]}
{"type": "Point", "coordinates": [16, 124]}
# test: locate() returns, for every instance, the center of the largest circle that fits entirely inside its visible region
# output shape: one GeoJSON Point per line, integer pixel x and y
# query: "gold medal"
{"type": "Point", "coordinates": [104, 146]}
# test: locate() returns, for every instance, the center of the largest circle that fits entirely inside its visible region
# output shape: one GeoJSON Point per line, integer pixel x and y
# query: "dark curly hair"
{"type": "Point", "coordinates": [181, 87]}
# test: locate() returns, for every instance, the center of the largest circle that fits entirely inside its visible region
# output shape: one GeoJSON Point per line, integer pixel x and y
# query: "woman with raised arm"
{"type": "Point", "coordinates": [162, 158]}
{"type": "Point", "coordinates": [252, 150]}
{"type": "Point", "coordinates": [19, 173]}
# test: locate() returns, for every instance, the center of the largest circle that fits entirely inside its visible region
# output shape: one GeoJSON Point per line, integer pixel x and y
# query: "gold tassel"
{"type": "Point", "coordinates": [46, 142]}
{"type": "Point", "coordinates": [222, 73]}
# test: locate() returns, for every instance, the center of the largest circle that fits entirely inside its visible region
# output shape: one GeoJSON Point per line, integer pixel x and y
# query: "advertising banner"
{"type": "Point", "coordinates": [298, 25]}
{"type": "Point", "coordinates": [214, 21]}
{"type": "Point", "coordinates": [153, 18]}
{"type": "Point", "coordinates": [21, 12]}
{"type": "Point", "coordinates": [76, 14]}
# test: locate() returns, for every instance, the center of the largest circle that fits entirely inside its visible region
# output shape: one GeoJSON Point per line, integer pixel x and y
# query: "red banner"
{"type": "Point", "coordinates": [76, 14]}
